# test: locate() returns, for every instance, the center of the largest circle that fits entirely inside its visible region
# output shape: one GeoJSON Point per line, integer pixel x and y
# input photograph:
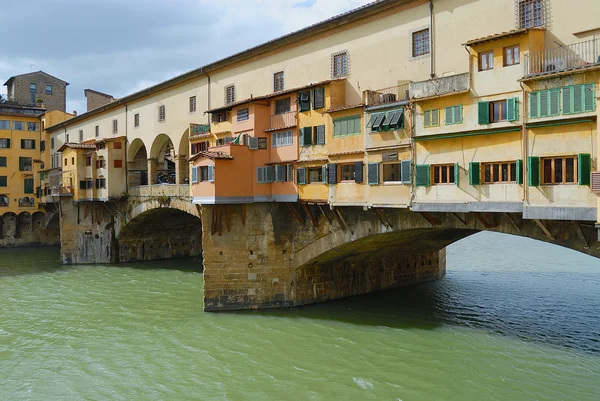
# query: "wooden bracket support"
{"type": "Point", "coordinates": [382, 218]}
{"type": "Point", "coordinates": [512, 221]}
{"type": "Point", "coordinates": [295, 213]}
{"type": "Point", "coordinates": [309, 213]}
{"type": "Point", "coordinates": [483, 220]}
{"type": "Point", "coordinates": [461, 221]}
{"type": "Point", "coordinates": [431, 219]}
{"type": "Point", "coordinates": [325, 214]}
{"type": "Point", "coordinates": [228, 218]}
{"type": "Point", "coordinates": [546, 231]}
{"type": "Point", "coordinates": [243, 215]}
{"type": "Point", "coordinates": [581, 235]}
{"type": "Point", "coordinates": [341, 221]}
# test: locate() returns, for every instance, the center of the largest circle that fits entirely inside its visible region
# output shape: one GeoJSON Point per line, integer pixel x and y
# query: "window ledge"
{"type": "Point", "coordinates": [392, 183]}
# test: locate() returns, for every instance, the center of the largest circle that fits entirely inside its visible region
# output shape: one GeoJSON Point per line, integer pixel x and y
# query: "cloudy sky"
{"type": "Point", "coordinates": [121, 46]}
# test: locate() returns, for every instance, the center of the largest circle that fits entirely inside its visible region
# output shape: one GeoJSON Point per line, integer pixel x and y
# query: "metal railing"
{"type": "Point", "coordinates": [563, 58]}
{"type": "Point", "coordinates": [199, 129]}
{"type": "Point", "coordinates": [283, 120]}
{"type": "Point", "coordinates": [392, 94]}
{"type": "Point", "coordinates": [60, 190]}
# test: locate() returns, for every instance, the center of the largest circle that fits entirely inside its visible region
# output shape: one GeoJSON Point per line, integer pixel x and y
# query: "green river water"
{"type": "Point", "coordinates": [520, 321]}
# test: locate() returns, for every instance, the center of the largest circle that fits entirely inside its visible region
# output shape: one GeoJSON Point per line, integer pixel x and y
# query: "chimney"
{"type": "Point", "coordinates": [75, 113]}
{"type": "Point", "coordinates": [97, 99]}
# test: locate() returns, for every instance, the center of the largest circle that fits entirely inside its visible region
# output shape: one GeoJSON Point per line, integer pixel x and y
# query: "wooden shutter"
{"type": "Point", "coordinates": [534, 104]}
{"type": "Point", "coordinates": [269, 174]}
{"type": "Point", "coordinates": [301, 175]}
{"type": "Point", "coordinates": [589, 97]}
{"type": "Point", "coordinates": [449, 115]}
{"type": "Point", "coordinates": [21, 163]}
{"type": "Point", "coordinates": [3, 161]}
{"type": "Point", "coordinates": [373, 173]}
{"type": "Point", "coordinates": [22, 143]}
{"type": "Point", "coordinates": [324, 174]}
{"type": "Point", "coordinates": [320, 134]}
{"type": "Point", "coordinates": [304, 104]}
{"type": "Point", "coordinates": [567, 100]}
{"type": "Point", "coordinates": [260, 175]}
{"type": "Point", "coordinates": [319, 98]}
{"type": "Point", "coordinates": [8, 143]}
{"type": "Point", "coordinates": [28, 185]}
{"type": "Point", "coordinates": [194, 174]}
{"type": "Point", "coordinates": [211, 173]}
{"type": "Point", "coordinates": [289, 173]}
{"type": "Point", "coordinates": [332, 173]}
{"type": "Point", "coordinates": [253, 143]}
{"type": "Point", "coordinates": [512, 114]}
{"type": "Point", "coordinates": [3, 181]}
{"type": "Point", "coordinates": [519, 171]}
{"type": "Point", "coordinates": [484, 113]}
{"type": "Point", "coordinates": [406, 171]}
{"type": "Point", "coordinates": [307, 135]}
{"type": "Point", "coordinates": [584, 166]}
{"type": "Point", "coordinates": [42, 146]}
{"type": "Point", "coordinates": [533, 171]}
{"type": "Point", "coordinates": [279, 173]}
{"type": "Point", "coordinates": [554, 102]}
{"type": "Point", "coordinates": [358, 172]}
{"type": "Point", "coordinates": [474, 173]}
{"type": "Point", "coordinates": [435, 117]}
{"type": "Point", "coordinates": [427, 118]}
{"type": "Point", "coordinates": [595, 185]}
{"type": "Point", "coordinates": [578, 98]}
{"type": "Point", "coordinates": [543, 103]}
{"type": "Point", "coordinates": [456, 173]}
{"type": "Point", "coordinates": [422, 173]}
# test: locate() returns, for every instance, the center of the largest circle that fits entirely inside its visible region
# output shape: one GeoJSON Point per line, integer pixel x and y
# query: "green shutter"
{"type": "Point", "coordinates": [578, 98]}
{"type": "Point", "coordinates": [33, 144]}
{"type": "Point", "coordinates": [554, 102]}
{"type": "Point", "coordinates": [301, 175]}
{"type": "Point", "coordinates": [22, 143]}
{"type": "Point", "coordinates": [534, 104]}
{"type": "Point", "coordinates": [21, 164]}
{"type": "Point", "coordinates": [3, 161]}
{"type": "Point", "coordinates": [567, 99]}
{"type": "Point", "coordinates": [307, 134]}
{"type": "Point", "coordinates": [28, 185]}
{"type": "Point", "coordinates": [543, 96]}
{"type": "Point", "coordinates": [512, 113]}
{"type": "Point", "coordinates": [422, 172]}
{"type": "Point", "coordinates": [533, 171]}
{"type": "Point", "coordinates": [519, 171]}
{"type": "Point", "coordinates": [474, 173]}
{"type": "Point", "coordinates": [3, 181]}
{"type": "Point", "coordinates": [324, 174]}
{"type": "Point", "coordinates": [584, 166]}
{"type": "Point", "coordinates": [484, 113]}
{"type": "Point", "coordinates": [456, 173]}
{"type": "Point", "coordinates": [373, 173]}
{"type": "Point", "coordinates": [8, 143]}
{"type": "Point", "coordinates": [589, 97]}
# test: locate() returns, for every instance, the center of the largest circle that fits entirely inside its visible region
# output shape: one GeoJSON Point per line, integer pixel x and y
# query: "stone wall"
{"type": "Point", "coordinates": [97, 99]}
{"type": "Point", "coordinates": [38, 229]}
{"type": "Point", "coordinates": [56, 101]}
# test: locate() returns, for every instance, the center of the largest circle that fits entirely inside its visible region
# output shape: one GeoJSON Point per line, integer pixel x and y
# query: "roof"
{"type": "Point", "coordinates": [116, 138]}
{"type": "Point", "coordinates": [514, 32]}
{"type": "Point", "coordinates": [342, 108]}
{"type": "Point", "coordinates": [274, 94]}
{"type": "Point", "coordinates": [282, 162]}
{"type": "Point", "coordinates": [348, 152]}
{"type": "Point", "coordinates": [211, 155]}
{"type": "Point", "coordinates": [16, 109]}
{"type": "Point", "coordinates": [362, 12]}
{"type": "Point", "coordinates": [32, 73]}
{"type": "Point", "coordinates": [72, 145]}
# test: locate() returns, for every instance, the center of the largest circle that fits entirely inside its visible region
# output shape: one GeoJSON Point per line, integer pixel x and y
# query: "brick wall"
{"type": "Point", "coordinates": [22, 95]}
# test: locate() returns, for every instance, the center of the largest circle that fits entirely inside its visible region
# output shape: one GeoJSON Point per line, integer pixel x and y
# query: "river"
{"type": "Point", "coordinates": [514, 319]}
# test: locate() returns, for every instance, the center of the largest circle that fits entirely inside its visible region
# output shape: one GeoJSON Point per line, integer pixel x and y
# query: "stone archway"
{"type": "Point", "coordinates": [161, 161]}
{"type": "Point", "coordinates": [137, 163]}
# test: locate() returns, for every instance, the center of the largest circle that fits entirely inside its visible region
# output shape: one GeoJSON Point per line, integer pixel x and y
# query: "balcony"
{"type": "Point", "coordinates": [440, 86]}
{"type": "Point", "coordinates": [564, 58]}
{"type": "Point", "coordinates": [283, 120]}
{"type": "Point", "coordinates": [199, 129]}
{"type": "Point", "coordinates": [61, 190]}
{"type": "Point", "coordinates": [393, 94]}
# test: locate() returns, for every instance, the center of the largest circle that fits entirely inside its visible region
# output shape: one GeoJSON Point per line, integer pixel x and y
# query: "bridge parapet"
{"type": "Point", "coordinates": [160, 190]}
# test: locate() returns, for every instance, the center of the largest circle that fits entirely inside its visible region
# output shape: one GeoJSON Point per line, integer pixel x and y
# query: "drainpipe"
{"type": "Point", "coordinates": [126, 161]}
{"type": "Point", "coordinates": [470, 68]}
{"type": "Point", "coordinates": [431, 42]}
{"type": "Point", "coordinates": [525, 150]}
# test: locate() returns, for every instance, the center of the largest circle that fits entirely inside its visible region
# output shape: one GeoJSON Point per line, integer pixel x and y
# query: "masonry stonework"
{"type": "Point", "coordinates": [22, 92]}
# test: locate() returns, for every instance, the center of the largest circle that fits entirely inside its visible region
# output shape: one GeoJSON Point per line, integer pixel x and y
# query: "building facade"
{"type": "Point", "coordinates": [37, 89]}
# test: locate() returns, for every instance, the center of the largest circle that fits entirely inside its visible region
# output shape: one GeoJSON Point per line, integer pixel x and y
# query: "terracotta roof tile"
{"type": "Point", "coordinates": [506, 34]}
{"type": "Point", "coordinates": [211, 155]}
{"type": "Point", "coordinates": [346, 107]}
{"type": "Point", "coordinates": [77, 146]}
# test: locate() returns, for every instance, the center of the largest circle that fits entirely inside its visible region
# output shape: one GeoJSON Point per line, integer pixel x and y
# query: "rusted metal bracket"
{"type": "Point", "coordinates": [431, 219]}
{"type": "Point", "coordinates": [483, 220]}
{"type": "Point", "coordinates": [512, 221]}
{"type": "Point", "coordinates": [309, 213]}
{"type": "Point", "coordinates": [295, 213]}
{"type": "Point", "coordinates": [581, 235]}
{"type": "Point", "coordinates": [382, 218]}
{"type": "Point", "coordinates": [341, 221]}
{"type": "Point", "coordinates": [325, 214]}
{"type": "Point", "coordinates": [546, 231]}
{"type": "Point", "coordinates": [457, 217]}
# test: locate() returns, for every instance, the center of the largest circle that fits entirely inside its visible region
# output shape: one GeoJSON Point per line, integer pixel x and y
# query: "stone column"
{"type": "Point", "coordinates": [181, 169]}
{"type": "Point", "coordinates": [152, 164]}
{"type": "Point", "coordinates": [133, 177]}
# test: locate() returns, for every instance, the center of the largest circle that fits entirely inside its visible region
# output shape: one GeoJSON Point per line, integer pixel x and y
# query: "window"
{"type": "Point", "coordinates": [32, 126]}
{"type": "Point", "coordinates": [444, 174]}
{"type": "Point", "coordinates": [339, 65]}
{"type": "Point", "coordinates": [347, 172]}
{"type": "Point", "coordinates": [3, 198]}
{"type": "Point", "coordinates": [32, 93]}
{"type": "Point", "coordinates": [28, 187]}
{"type": "Point", "coordinates": [315, 175]}
{"type": "Point", "coordinates": [136, 120]}
{"type": "Point", "coordinates": [559, 170]}
{"type": "Point", "coordinates": [229, 94]}
{"type": "Point", "coordinates": [192, 104]}
{"type": "Point", "coordinates": [278, 81]}
{"type": "Point", "coordinates": [453, 115]}
{"type": "Point", "coordinates": [86, 184]}
{"type": "Point", "coordinates": [42, 145]}
{"type": "Point", "coordinates": [67, 139]}
{"type": "Point", "coordinates": [282, 139]}
{"type": "Point", "coordinates": [420, 43]}
{"type": "Point", "coordinates": [100, 183]}
{"type": "Point", "coordinates": [48, 89]}
{"type": "Point", "coordinates": [262, 143]}
{"type": "Point", "coordinates": [282, 105]}
{"type": "Point", "coordinates": [25, 163]}
{"type": "Point", "coordinates": [115, 126]}
{"type": "Point", "coordinates": [318, 135]}
{"type": "Point", "coordinates": [3, 161]}
{"type": "Point", "coordinates": [486, 61]}
{"type": "Point", "coordinates": [88, 160]}
{"type": "Point", "coordinates": [97, 131]}
{"type": "Point", "coordinates": [51, 143]}
{"type": "Point", "coordinates": [117, 145]}
{"type": "Point", "coordinates": [431, 118]}
{"type": "Point", "coordinates": [200, 147]}
{"type": "Point", "coordinates": [224, 141]}
{"type": "Point", "coordinates": [391, 172]}
{"type": "Point", "coordinates": [161, 113]}
{"type": "Point", "coordinates": [32, 88]}
{"type": "Point", "coordinates": [304, 101]}
{"type": "Point", "coordinates": [19, 125]}
{"type": "Point", "coordinates": [27, 143]}
{"type": "Point", "coordinates": [318, 98]}
{"type": "Point", "coordinates": [4, 124]}
{"type": "Point", "coordinates": [531, 13]}
{"type": "Point", "coordinates": [511, 55]}
{"type": "Point", "coordinates": [578, 99]}
{"type": "Point", "coordinates": [498, 111]}
{"type": "Point", "coordinates": [219, 116]}
{"type": "Point", "coordinates": [118, 163]}
{"type": "Point", "coordinates": [264, 174]}
{"type": "Point", "coordinates": [501, 172]}
{"type": "Point", "coordinates": [243, 114]}
{"type": "Point", "coordinates": [3, 181]}
{"type": "Point", "coordinates": [72, 161]}
{"type": "Point", "coordinates": [101, 163]}
{"type": "Point", "coordinates": [100, 145]}
{"type": "Point", "coordinates": [346, 126]}
{"type": "Point", "coordinates": [4, 143]}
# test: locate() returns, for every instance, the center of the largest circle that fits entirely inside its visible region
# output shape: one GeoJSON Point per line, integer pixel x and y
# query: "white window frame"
{"type": "Point", "coordinates": [281, 139]}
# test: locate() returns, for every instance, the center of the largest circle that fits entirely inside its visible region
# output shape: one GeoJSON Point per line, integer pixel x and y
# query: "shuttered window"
{"type": "Point", "coordinates": [229, 94]}
{"type": "Point", "coordinates": [431, 118]}
{"type": "Point", "coordinates": [25, 163]}
{"type": "Point", "coordinates": [422, 172]}
{"type": "Point", "coordinates": [533, 171]}
{"type": "Point", "coordinates": [278, 81]}
{"type": "Point", "coordinates": [3, 181]}
{"type": "Point", "coordinates": [373, 173]}
{"type": "Point", "coordinates": [243, 114]}
{"type": "Point", "coordinates": [474, 173]}
{"type": "Point", "coordinates": [306, 135]}
{"type": "Point", "coordinates": [318, 98]}
{"type": "Point", "coordinates": [28, 185]}
{"type": "Point", "coordinates": [5, 143]}
{"type": "Point", "coordinates": [315, 175]}
{"type": "Point", "coordinates": [346, 126]}
{"type": "Point", "coordinates": [332, 173]}
{"type": "Point", "coordinates": [483, 114]}
{"type": "Point", "coordinates": [3, 161]}
{"type": "Point", "coordinates": [319, 134]}
{"type": "Point", "coordinates": [194, 175]}
{"type": "Point", "coordinates": [301, 176]}
{"type": "Point", "coordinates": [578, 99]}
{"type": "Point", "coordinates": [544, 103]}
{"type": "Point", "coordinates": [453, 115]}
{"type": "Point", "coordinates": [282, 139]}
{"type": "Point", "coordinates": [304, 101]}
